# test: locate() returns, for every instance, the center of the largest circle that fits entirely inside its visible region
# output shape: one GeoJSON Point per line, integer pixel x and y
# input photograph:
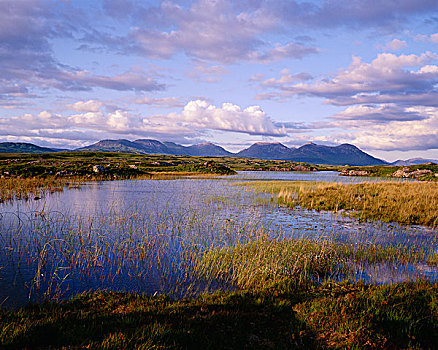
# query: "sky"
{"type": "Point", "coordinates": [228, 72]}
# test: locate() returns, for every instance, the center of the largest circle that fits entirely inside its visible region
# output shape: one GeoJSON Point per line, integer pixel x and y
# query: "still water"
{"type": "Point", "coordinates": [134, 235]}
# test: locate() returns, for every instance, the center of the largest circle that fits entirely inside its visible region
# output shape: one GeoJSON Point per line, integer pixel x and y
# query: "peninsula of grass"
{"type": "Point", "coordinates": [332, 316]}
{"type": "Point", "coordinates": [412, 203]}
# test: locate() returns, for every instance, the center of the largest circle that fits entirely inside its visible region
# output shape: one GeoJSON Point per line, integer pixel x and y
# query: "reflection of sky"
{"type": "Point", "coordinates": [385, 274]}
{"type": "Point", "coordinates": [200, 208]}
{"type": "Point", "coordinates": [330, 176]}
{"type": "Point", "coordinates": [215, 199]}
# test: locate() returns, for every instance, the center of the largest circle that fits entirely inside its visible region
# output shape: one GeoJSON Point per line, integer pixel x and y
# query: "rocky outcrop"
{"type": "Point", "coordinates": [354, 173]}
{"type": "Point", "coordinates": [407, 173]}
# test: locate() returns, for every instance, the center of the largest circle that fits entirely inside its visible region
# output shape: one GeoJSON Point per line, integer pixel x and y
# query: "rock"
{"type": "Point", "coordinates": [301, 168]}
{"type": "Point", "coordinates": [407, 173]}
{"type": "Point", "coordinates": [420, 172]}
{"type": "Point", "coordinates": [400, 173]}
{"type": "Point", "coordinates": [355, 173]}
{"type": "Point", "coordinates": [98, 168]}
{"type": "Point", "coordinates": [132, 166]}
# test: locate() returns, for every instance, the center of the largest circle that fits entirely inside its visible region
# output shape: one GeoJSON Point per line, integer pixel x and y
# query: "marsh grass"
{"type": "Point", "coordinates": [26, 188]}
{"type": "Point", "coordinates": [189, 250]}
{"type": "Point", "coordinates": [55, 250]}
{"type": "Point", "coordinates": [292, 263]}
{"type": "Point", "coordinates": [412, 203]}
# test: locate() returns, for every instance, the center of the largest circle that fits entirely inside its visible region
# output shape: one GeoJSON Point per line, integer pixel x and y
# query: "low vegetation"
{"type": "Point", "coordinates": [333, 316]}
{"type": "Point", "coordinates": [101, 165]}
{"type": "Point", "coordinates": [413, 203]}
{"type": "Point", "coordinates": [23, 176]}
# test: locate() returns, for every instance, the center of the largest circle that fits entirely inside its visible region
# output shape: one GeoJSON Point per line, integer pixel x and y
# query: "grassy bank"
{"type": "Point", "coordinates": [331, 316]}
{"type": "Point", "coordinates": [407, 203]}
{"type": "Point", "coordinates": [23, 176]}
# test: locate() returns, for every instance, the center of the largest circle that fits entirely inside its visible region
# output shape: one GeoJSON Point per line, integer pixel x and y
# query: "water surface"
{"type": "Point", "coordinates": [130, 235]}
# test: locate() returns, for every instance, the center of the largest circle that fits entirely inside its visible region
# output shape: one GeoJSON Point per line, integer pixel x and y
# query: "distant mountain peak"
{"type": "Point", "coordinates": [349, 145]}
{"type": "Point", "coordinates": [268, 144]}
{"type": "Point", "coordinates": [414, 161]}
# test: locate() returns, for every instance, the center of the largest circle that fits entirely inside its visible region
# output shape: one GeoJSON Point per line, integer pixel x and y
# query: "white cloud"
{"type": "Point", "coordinates": [203, 72]}
{"type": "Point", "coordinates": [158, 102]}
{"type": "Point", "coordinates": [87, 106]}
{"type": "Point", "coordinates": [200, 115]}
{"type": "Point", "coordinates": [434, 38]}
{"type": "Point", "coordinates": [384, 113]}
{"type": "Point", "coordinates": [387, 74]}
{"type": "Point", "coordinates": [119, 121]}
{"type": "Point", "coordinates": [411, 134]}
{"type": "Point", "coordinates": [285, 78]}
{"type": "Point", "coordinates": [396, 45]}
{"type": "Point", "coordinates": [197, 118]}
{"type": "Point", "coordinates": [211, 30]}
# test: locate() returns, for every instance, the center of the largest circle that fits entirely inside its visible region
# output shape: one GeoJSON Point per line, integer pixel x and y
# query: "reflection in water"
{"type": "Point", "coordinates": [135, 235]}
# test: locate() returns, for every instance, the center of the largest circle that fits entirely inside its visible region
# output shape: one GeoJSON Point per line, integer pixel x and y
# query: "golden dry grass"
{"type": "Point", "coordinates": [414, 203]}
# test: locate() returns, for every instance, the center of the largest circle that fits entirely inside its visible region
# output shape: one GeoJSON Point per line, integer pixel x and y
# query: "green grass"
{"type": "Point", "coordinates": [338, 316]}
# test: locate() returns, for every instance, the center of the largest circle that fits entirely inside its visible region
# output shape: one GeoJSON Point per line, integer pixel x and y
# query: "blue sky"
{"type": "Point", "coordinates": [228, 72]}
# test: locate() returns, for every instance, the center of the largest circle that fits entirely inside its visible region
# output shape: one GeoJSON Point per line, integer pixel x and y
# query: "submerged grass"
{"type": "Point", "coordinates": [299, 262]}
{"type": "Point", "coordinates": [412, 203]}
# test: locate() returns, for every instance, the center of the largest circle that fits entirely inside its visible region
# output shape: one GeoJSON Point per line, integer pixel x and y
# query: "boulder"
{"type": "Point", "coordinates": [420, 172]}
{"type": "Point", "coordinates": [98, 168]}
{"type": "Point", "coordinates": [400, 173]}
{"type": "Point", "coordinates": [405, 172]}
{"type": "Point", "coordinates": [355, 173]}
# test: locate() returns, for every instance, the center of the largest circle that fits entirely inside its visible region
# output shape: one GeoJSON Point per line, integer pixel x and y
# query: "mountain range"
{"type": "Point", "coordinates": [310, 153]}
{"type": "Point", "coordinates": [414, 161]}
{"type": "Point", "coordinates": [23, 147]}
{"type": "Point", "coordinates": [146, 146]}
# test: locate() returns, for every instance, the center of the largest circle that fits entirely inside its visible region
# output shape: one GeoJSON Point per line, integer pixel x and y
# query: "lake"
{"type": "Point", "coordinates": [139, 235]}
